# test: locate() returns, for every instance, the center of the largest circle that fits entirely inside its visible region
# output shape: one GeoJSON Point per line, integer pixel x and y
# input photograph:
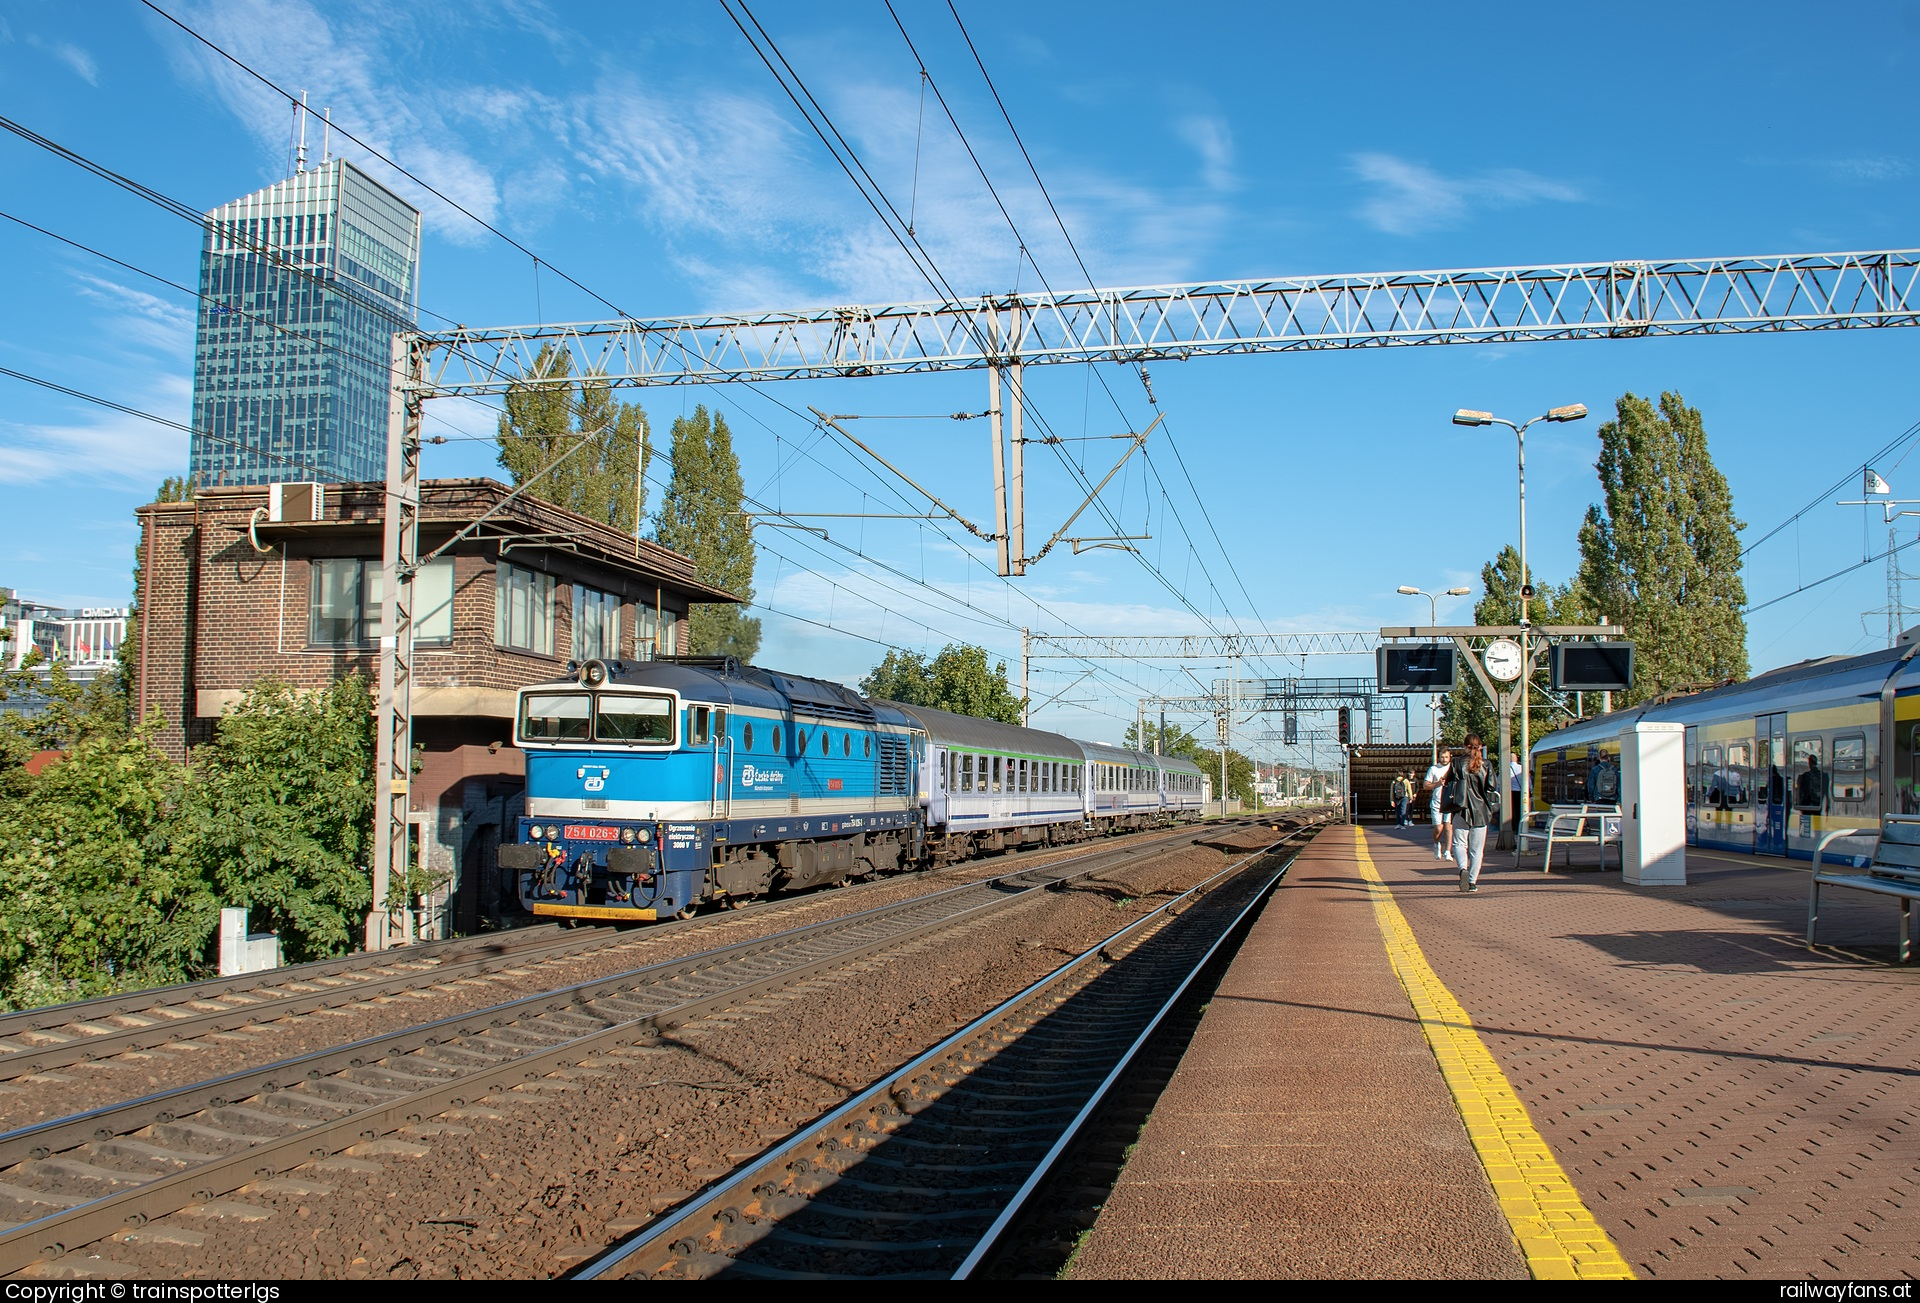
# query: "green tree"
{"type": "Point", "coordinates": [94, 894]}
{"type": "Point", "coordinates": [958, 679]}
{"type": "Point", "coordinates": [702, 518]}
{"type": "Point", "coordinates": [279, 815]}
{"type": "Point", "coordinates": [606, 480]}
{"type": "Point", "coordinates": [1466, 709]}
{"type": "Point", "coordinates": [1661, 552]}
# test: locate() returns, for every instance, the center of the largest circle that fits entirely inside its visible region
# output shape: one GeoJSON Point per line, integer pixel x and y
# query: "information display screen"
{"type": "Point", "coordinates": [1415, 667]}
{"type": "Point", "coordinates": [1592, 667]}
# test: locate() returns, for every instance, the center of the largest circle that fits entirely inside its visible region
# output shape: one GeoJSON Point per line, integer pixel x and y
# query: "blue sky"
{"type": "Point", "coordinates": [646, 151]}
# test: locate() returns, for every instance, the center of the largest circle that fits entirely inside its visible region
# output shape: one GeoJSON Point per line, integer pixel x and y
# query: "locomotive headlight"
{"type": "Point", "coordinates": [627, 836]}
{"type": "Point", "coordinates": [536, 832]}
{"type": "Point", "coordinates": [645, 835]}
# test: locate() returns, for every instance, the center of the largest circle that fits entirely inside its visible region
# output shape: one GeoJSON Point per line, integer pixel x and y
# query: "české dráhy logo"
{"type": "Point", "coordinates": [754, 777]}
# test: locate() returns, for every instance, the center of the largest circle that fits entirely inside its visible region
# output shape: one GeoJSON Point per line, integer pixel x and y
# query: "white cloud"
{"type": "Point", "coordinates": [1868, 169]}
{"type": "Point", "coordinates": [1212, 139]}
{"type": "Point", "coordinates": [1411, 197]}
{"type": "Point", "coordinates": [72, 55]}
{"type": "Point", "coordinates": [294, 44]}
{"type": "Point", "coordinates": [106, 446]}
{"type": "Point", "coordinates": [141, 318]}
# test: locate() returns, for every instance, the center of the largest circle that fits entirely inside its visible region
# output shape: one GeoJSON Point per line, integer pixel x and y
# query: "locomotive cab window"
{"type": "Point", "coordinates": [647, 721]}
{"type": "Point", "coordinates": [555, 717]}
{"type": "Point", "coordinates": [699, 721]}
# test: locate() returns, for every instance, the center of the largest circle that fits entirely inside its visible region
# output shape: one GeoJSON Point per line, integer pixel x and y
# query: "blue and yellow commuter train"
{"type": "Point", "coordinates": [658, 787]}
{"type": "Point", "coordinates": [1772, 763]}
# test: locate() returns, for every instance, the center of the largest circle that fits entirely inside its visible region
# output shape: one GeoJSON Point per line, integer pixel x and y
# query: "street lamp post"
{"type": "Point", "coordinates": [1433, 618]}
{"type": "Point", "coordinates": [1466, 416]}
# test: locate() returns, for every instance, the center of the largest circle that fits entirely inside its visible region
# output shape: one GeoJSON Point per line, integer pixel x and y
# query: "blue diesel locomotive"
{"type": "Point", "coordinates": [657, 787]}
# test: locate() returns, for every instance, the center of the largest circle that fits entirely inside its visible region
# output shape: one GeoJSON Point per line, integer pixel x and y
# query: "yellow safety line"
{"type": "Point", "coordinates": [1557, 1234]}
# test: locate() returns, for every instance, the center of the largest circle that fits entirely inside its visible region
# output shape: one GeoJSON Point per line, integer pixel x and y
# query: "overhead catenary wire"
{"type": "Point", "coordinates": [348, 134]}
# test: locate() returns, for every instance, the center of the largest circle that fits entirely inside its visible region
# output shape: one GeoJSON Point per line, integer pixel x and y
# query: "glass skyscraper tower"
{"type": "Point", "coordinates": [304, 284]}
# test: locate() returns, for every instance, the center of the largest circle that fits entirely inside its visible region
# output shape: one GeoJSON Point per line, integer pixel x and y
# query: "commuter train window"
{"type": "Point", "coordinates": [555, 717]}
{"type": "Point", "coordinates": [1808, 779]}
{"type": "Point", "coordinates": [1850, 767]}
{"type": "Point", "coordinates": [646, 720]}
{"type": "Point", "coordinates": [746, 736]}
{"type": "Point", "coordinates": [1727, 783]}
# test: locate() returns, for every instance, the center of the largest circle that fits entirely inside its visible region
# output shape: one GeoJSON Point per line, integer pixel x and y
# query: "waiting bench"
{"type": "Point", "coordinates": [1586, 824]}
{"type": "Point", "coordinates": [1893, 871]}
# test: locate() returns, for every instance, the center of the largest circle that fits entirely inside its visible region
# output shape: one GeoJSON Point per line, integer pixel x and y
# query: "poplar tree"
{"type": "Point", "coordinates": [702, 517]}
{"type": "Point", "coordinates": [543, 423]}
{"type": "Point", "coordinates": [1660, 553]}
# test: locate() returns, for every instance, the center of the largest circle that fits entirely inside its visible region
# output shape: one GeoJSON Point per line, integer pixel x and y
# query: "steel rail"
{"type": "Point", "coordinates": [285, 992]}
{"type": "Point", "coordinates": [429, 1052]}
{"type": "Point", "coordinates": [697, 1233]}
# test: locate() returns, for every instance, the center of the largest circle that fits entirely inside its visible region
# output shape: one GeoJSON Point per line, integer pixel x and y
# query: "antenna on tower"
{"type": "Point", "coordinates": [300, 119]}
{"type": "Point", "coordinates": [326, 133]}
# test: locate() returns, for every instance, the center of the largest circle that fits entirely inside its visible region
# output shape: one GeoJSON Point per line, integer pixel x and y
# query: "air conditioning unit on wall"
{"type": "Point", "coordinates": [296, 502]}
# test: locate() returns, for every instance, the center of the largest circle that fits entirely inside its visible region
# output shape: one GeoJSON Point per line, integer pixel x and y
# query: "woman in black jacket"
{"type": "Point", "coordinates": [1473, 796]}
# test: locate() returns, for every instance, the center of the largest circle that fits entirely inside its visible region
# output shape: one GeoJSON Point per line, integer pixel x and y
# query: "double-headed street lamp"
{"type": "Point", "coordinates": [1433, 617]}
{"type": "Point", "coordinates": [1466, 416]}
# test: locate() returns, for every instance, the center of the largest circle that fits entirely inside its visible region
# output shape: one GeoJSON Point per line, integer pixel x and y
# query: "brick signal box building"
{"type": "Point", "coordinates": [283, 581]}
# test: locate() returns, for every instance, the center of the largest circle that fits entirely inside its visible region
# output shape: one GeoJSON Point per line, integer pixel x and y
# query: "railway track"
{"type": "Point", "coordinates": [73, 1180]}
{"type": "Point", "coordinates": [35, 1041]}
{"type": "Point", "coordinates": [921, 1174]}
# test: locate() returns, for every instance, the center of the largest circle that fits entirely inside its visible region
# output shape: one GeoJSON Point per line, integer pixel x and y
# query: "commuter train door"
{"type": "Point", "coordinates": [1770, 785]}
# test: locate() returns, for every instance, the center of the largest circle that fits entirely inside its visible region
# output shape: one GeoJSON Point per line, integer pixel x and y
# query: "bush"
{"type": "Point", "coordinates": [279, 813]}
{"type": "Point", "coordinates": [94, 894]}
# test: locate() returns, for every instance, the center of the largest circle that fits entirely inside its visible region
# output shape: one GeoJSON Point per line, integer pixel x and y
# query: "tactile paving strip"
{"type": "Point", "coordinates": [1557, 1234]}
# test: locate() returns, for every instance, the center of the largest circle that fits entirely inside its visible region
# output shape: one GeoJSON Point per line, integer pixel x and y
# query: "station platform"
{"type": "Point", "coordinates": [1557, 1076]}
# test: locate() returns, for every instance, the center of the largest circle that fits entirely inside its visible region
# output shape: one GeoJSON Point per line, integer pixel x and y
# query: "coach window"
{"type": "Point", "coordinates": [1809, 779]}
{"type": "Point", "coordinates": [997, 775]}
{"type": "Point", "coordinates": [1850, 767]}
{"type": "Point", "coordinates": [1026, 775]}
{"type": "Point", "coordinates": [966, 772]}
{"type": "Point", "coordinates": [1738, 770]}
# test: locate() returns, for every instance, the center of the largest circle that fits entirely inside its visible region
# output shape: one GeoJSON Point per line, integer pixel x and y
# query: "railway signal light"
{"type": "Point", "coordinates": [1346, 725]}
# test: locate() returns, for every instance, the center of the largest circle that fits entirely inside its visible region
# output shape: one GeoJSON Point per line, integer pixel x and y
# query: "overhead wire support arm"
{"type": "Point", "coordinates": [1139, 441]}
{"type": "Point", "coordinates": [846, 434]}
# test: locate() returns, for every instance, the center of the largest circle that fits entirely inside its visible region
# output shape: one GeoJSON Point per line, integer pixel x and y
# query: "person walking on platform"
{"type": "Point", "coordinates": [1515, 777]}
{"type": "Point", "coordinates": [1437, 813]}
{"type": "Point", "coordinates": [1402, 793]}
{"type": "Point", "coordinates": [1473, 794]}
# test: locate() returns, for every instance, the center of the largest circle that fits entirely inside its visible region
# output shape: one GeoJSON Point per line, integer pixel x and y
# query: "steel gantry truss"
{"type": "Point", "coordinates": [1200, 646]}
{"type": "Point", "coordinates": [1602, 300]}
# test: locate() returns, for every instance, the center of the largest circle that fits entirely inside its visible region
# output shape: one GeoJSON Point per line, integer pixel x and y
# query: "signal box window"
{"type": "Point", "coordinates": [596, 624]}
{"type": "Point", "coordinates": [523, 610]}
{"type": "Point", "coordinates": [622, 718]}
